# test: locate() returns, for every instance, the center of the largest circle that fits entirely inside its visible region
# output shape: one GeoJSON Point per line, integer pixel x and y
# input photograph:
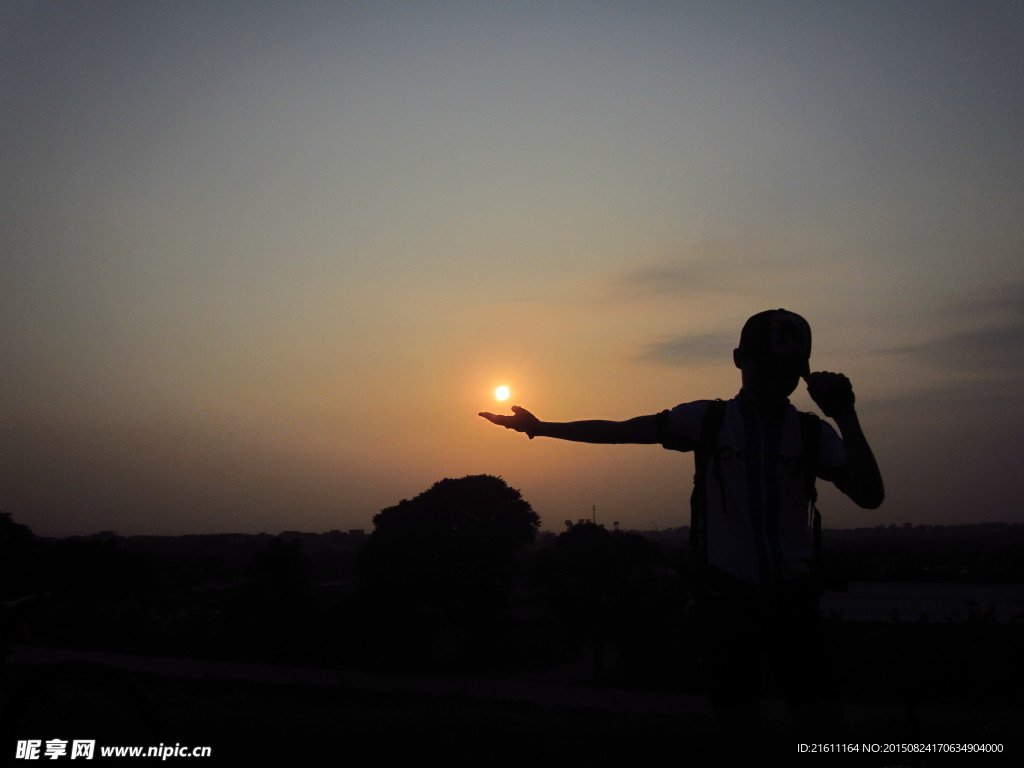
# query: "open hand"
{"type": "Point", "coordinates": [521, 420]}
{"type": "Point", "coordinates": [833, 392]}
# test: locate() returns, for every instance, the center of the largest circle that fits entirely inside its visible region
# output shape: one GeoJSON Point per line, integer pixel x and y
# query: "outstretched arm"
{"type": "Point", "coordinates": [861, 480]}
{"type": "Point", "coordinates": [642, 429]}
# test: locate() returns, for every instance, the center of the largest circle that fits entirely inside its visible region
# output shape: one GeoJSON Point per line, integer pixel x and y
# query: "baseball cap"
{"type": "Point", "coordinates": [778, 333]}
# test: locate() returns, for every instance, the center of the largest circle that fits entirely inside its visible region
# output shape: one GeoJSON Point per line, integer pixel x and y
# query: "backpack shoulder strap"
{"type": "Point", "coordinates": [810, 445]}
{"type": "Point", "coordinates": [705, 456]}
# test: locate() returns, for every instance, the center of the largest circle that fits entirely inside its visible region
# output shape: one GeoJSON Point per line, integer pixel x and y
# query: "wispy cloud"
{"type": "Point", "coordinates": [727, 260]}
{"type": "Point", "coordinates": [987, 350]}
{"type": "Point", "coordinates": [689, 350]}
{"type": "Point", "coordinates": [684, 278]}
{"type": "Point", "coordinates": [983, 334]}
{"type": "Point", "coordinates": [936, 400]}
{"type": "Point", "coordinates": [1006, 299]}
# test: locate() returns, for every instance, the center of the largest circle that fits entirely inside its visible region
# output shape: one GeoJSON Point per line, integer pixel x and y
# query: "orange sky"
{"type": "Point", "coordinates": [262, 268]}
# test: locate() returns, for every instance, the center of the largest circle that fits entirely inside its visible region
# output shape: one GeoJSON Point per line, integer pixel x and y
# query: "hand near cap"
{"type": "Point", "coordinates": [833, 392]}
{"type": "Point", "coordinates": [859, 478]}
{"type": "Point", "coordinates": [521, 420]}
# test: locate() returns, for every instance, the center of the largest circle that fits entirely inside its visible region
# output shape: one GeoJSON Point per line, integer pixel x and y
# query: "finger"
{"type": "Point", "coordinates": [823, 378]}
{"type": "Point", "coordinates": [830, 379]}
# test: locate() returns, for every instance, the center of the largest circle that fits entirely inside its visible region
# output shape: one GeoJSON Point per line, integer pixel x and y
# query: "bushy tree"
{"type": "Point", "coordinates": [437, 572]}
{"type": "Point", "coordinates": [450, 545]}
{"type": "Point", "coordinates": [607, 589]}
{"type": "Point", "coordinates": [19, 554]}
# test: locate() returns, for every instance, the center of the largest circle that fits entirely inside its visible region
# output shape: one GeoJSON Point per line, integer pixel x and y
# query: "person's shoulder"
{"type": "Point", "coordinates": [831, 450]}
{"type": "Point", "coordinates": [692, 406]}
{"type": "Point", "coordinates": [685, 419]}
{"type": "Point", "coordinates": [830, 438]}
{"type": "Point", "coordinates": [828, 432]}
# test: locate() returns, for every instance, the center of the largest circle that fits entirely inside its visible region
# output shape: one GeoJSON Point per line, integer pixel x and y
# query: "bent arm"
{"type": "Point", "coordinates": [862, 480]}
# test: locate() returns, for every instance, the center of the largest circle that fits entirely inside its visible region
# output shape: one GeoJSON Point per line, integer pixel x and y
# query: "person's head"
{"type": "Point", "coordinates": [774, 353]}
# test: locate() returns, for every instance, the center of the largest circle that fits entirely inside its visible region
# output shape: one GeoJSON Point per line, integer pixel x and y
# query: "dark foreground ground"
{"type": "Point", "coordinates": [313, 724]}
{"type": "Point", "coordinates": [309, 718]}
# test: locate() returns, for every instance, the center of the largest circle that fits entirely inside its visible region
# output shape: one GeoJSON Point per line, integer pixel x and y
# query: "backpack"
{"type": "Point", "coordinates": [706, 452]}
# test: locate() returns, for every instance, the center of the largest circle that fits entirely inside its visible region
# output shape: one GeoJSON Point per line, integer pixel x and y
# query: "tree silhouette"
{"type": "Point", "coordinates": [608, 589]}
{"type": "Point", "coordinates": [446, 558]}
{"type": "Point", "coordinates": [451, 542]}
{"type": "Point", "coordinates": [19, 553]}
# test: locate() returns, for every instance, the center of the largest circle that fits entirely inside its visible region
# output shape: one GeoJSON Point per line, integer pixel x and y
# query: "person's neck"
{"type": "Point", "coordinates": [764, 406]}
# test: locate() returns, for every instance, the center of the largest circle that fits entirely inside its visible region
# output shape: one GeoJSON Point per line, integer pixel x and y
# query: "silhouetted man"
{"type": "Point", "coordinates": [751, 532]}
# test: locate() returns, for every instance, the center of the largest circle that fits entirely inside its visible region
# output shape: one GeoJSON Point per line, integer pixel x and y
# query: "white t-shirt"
{"type": "Point", "coordinates": [762, 532]}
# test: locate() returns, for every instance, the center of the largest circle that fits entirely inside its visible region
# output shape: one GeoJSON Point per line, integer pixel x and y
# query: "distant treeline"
{"type": "Point", "coordinates": [980, 553]}
{"type": "Point", "coordinates": [464, 592]}
{"type": "Point", "coordinates": [983, 553]}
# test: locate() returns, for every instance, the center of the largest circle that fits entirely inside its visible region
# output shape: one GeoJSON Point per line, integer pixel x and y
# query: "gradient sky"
{"type": "Point", "coordinates": [263, 263]}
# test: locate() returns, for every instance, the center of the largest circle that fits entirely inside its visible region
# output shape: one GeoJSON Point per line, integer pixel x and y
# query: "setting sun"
{"type": "Point", "coordinates": [502, 393]}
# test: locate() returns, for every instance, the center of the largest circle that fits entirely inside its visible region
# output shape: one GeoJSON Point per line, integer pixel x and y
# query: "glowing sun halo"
{"type": "Point", "coordinates": [502, 393]}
